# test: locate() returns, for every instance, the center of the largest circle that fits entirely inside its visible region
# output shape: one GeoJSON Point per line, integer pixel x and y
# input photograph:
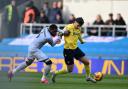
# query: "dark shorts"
{"type": "Point", "coordinates": [70, 54]}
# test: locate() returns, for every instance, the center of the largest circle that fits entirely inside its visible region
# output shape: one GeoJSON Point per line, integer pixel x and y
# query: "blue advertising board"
{"type": "Point", "coordinates": [111, 67]}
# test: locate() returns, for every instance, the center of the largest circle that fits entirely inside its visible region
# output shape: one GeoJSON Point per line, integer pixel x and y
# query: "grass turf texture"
{"type": "Point", "coordinates": [68, 81]}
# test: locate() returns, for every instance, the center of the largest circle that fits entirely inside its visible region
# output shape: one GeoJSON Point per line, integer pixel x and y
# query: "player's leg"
{"type": "Point", "coordinates": [63, 71]}
{"type": "Point", "coordinates": [81, 57]}
{"type": "Point", "coordinates": [47, 69]}
{"type": "Point", "coordinates": [41, 57]}
{"type": "Point", "coordinates": [68, 56]}
{"type": "Point", "coordinates": [21, 66]}
{"type": "Point", "coordinates": [86, 63]}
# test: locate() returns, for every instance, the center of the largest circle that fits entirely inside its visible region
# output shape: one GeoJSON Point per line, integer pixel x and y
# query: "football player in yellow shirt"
{"type": "Point", "coordinates": [72, 33]}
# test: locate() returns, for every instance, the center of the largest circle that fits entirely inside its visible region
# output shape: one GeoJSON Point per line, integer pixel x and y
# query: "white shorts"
{"type": "Point", "coordinates": [38, 54]}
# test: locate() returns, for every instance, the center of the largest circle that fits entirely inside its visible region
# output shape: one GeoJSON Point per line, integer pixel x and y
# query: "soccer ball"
{"type": "Point", "coordinates": [98, 76]}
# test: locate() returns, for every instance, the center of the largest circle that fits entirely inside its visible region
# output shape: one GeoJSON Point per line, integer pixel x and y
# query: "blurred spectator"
{"type": "Point", "coordinates": [71, 18]}
{"type": "Point", "coordinates": [120, 21]}
{"type": "Point", "coordinates": [110, 21]}
{"type": "Point", "coordinates": [98, 21]}
{"type": "Point", "coordinates": [59, 19]}
{"type": "Point", "coordinates": [29, 14]}
{"type": "Point", "coordinates": [46, 9]}
{"type": "Point", "coordinates": [37, 12]}
{"type": "Point", "coordinates": [11, 20]}
{"type": "Point", "coordinates": [43, 17]}
{"type": "Point", "coordinates": [53, 12]}
{"type": "Point", "coordinates": [28, 17]}
{"type": "Point", "coordinates": [60, 7]}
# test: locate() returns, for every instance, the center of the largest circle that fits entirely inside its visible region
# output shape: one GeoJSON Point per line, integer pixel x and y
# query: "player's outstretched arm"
{"type": "Point", "coordinates": [64, 32]}
{"type": "Point", "coordinates": [81, 40]}
{"type": "Point", "coordinates": [54, 41]}
{"type": "Point", "coordinates": [60, 32]}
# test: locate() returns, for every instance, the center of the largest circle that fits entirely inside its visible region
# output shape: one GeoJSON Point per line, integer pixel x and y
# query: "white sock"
{"type": "Point", "coordinates": [46, 71]}
{"type": "Point", "coordinates": [22, 66]}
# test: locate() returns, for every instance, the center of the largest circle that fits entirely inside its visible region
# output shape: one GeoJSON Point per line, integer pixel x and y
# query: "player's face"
{"type": "Point", "coordinates": [53, 32]}
{"type": "Point", "coordinates": [76, 25]}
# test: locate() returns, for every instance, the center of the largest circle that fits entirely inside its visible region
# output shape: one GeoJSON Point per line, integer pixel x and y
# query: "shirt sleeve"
{"type": "Point", "coordinates": [53, 41]}
{"type": "Point", "coordinates": [65, 29]}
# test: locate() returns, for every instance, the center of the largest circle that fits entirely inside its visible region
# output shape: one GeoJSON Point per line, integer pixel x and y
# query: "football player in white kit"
{"type": "Point", "coordinates": [34, 52]}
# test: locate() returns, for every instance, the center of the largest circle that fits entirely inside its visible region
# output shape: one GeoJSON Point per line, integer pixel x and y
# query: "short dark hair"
{"type": "Point", "coordinates": [53, 26]}
{"type": "Point", "coordinates": [53, 29]}
{"type": "Point", "coordinates": [111, 14]}
{"type": "Point", "coordinates": [80, 21]}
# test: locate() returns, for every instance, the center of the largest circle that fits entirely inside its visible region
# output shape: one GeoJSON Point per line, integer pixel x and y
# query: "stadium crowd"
{"type": "Point", "coordinates": [47, 14]}
{"type": "Point", "coordinates": [54, 14]}
{"type": "Point", "coordinates": [107, 31]}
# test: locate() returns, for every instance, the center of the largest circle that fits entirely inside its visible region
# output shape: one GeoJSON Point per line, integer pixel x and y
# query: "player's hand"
{"type": "Point", "coordinates": [58, 41]}
{"type": "Point", "coordinates": [60, 34]}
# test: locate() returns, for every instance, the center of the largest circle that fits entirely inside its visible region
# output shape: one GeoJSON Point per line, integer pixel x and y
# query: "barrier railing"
{"type": "Point", "coordinates": [115, 30]}
{"type": "Point", "coordinates": [97, 30]}
{"type": "Point", "coordinates": [33, 28]}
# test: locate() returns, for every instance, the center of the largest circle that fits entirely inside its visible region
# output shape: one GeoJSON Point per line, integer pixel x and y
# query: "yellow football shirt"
{"type": "Point", "coordinates": [72, 39]}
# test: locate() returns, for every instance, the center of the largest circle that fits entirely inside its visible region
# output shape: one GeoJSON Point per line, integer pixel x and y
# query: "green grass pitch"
{"type": "Point", "coordinates": [68, 81]}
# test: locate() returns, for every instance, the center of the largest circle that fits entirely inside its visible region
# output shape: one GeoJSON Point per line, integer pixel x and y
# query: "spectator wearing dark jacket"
{"type": "Point", "coordinates": [45, 8]}
{"type": "Point", "coordinates": [120, 22]}
{"type": "Point", "coordinates": [43, 18]}
{"type": "Point", "coordinates": [59, 19]}
{"type": "Point", "coordinates": [110, 21]}
{"type": "Point", "coordinates": [94, 30]}
{"type": "Point", "coordinates": [71, 18]}
{"type": "Point", "coordinates": [53, 12]}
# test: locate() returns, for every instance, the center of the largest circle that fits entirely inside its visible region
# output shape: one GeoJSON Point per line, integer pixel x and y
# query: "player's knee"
{"type": "Point", "coordinates": [48, 62]}
{"type": "Point", "coordinates": [29, 61]}
{"type": "Point", "coordinates": [87, 63]}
